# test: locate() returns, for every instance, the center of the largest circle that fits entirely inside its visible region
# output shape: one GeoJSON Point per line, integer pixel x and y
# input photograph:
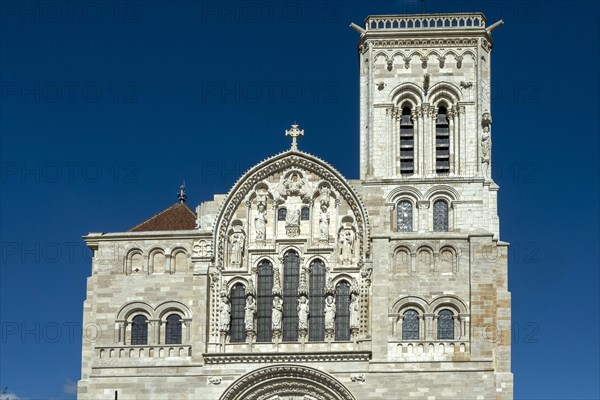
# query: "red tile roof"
{"type": "Point", "coordinates": [178, 217]}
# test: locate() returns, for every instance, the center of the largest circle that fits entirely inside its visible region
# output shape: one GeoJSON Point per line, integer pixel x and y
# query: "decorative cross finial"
{"type": "Point", "coordinates": [294, 132]}
{"type": "Point", "coordinates": [181, 195]}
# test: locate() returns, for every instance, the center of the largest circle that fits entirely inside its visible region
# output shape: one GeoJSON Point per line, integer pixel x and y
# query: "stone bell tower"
{"type": "Point", "coordinates": [425, 104]}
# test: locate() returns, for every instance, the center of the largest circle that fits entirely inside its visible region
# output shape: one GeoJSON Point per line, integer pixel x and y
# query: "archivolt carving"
{"type": "Point", "coordinates": [274, 165]}
{"type": "Point", "coordinates": [287, 380]}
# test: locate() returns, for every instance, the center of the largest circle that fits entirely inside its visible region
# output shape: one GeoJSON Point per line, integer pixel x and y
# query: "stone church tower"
{"type": "Point", "coordinates": [302, 284]}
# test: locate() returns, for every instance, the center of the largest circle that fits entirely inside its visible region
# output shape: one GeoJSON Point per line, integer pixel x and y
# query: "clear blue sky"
{"type": "Point", "coordinates": [107, 106]}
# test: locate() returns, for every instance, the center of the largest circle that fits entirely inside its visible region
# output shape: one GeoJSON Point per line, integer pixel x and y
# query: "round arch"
{"type": "Point", "coordinates": [287, 380]}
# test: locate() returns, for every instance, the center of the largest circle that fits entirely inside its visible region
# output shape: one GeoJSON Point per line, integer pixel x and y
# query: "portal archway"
{"type": "Point", "coordinates": [287, 382]}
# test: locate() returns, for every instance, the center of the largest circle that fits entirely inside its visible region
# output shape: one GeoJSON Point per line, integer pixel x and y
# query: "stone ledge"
{"type": "Point", "coordinates": [285, 358]}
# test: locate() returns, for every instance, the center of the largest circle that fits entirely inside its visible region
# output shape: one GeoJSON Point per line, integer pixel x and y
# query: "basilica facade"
{"type": "Point", "coordinates": [302, 284]}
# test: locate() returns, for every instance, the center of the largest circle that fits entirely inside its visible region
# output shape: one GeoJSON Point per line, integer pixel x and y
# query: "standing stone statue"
{"type": "Point", "coordinates": [277, 313]}
{"type": "Point", "coordinates": [346, 245]}
{"type": "Point", "coordinates": [237, 247]}
{"type": "Point", "coordinates": [292, 217]}
{"type": "Point", "coordinates": [260, 222]}
{"type": "Point", "coordinates": [354, 315]}
{"type": "Point", "coordinates": [330, 312]}
{"type": "Point", "coordinates": [485, 151]}
{"type": "Point", "coordinates": [225, 314]}
{"type": "Point", "coordinates": [324, 223]}
{"type": "Point", "coordinates": [303, 312]}
{"type": "Point", "coordinates": [250, 310]}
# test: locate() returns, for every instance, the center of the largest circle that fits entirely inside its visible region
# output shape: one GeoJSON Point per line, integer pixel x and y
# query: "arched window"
{"type": "Point", "coordinates": [305, 214]}
{"type": "Point", "coordinates": [264, 293]}
{"type": "Point", "coordinates": [342, 315]}
{"type": "Point", "coordinates": [317, 301]}
{"type": "Point", "coordinates": [440, 216]}
{"type": "Point", "coordinates": [237, 333]}
{"type": "Point", "coordinates": [281, 214]}
{"type": "Point", "coordinates": [291, 275]}
{"type": "Point", "coordinates": [404, 212]}
{"type": "Point", "coordinates": [442, 142]}
{"type": "Point", "coordinates": [139, 330]}
{"type": "Point", "coordinates": [407, 143]}
{"type": "Point", "coordinates": [445, 327]}
{"type": "Point", "coordinates": [173, 329]}
{"type": "Point", "coordinates": [410, 325]}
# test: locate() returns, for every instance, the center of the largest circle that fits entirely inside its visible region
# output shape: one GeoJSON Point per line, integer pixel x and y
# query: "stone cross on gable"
{"type": "Point", "coordinates": [294, 132]}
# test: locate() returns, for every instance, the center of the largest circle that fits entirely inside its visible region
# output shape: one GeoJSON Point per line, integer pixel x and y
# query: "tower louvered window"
{"type": "Point", "coordinates": [317, 301]}
{"type": "Point", "coordinates": [291, 275]}
{"type": "Point", "coordinates": [442, 142]}
{"type": "Point", "coordinates": [264, 293]}
{"type": "Point", "coordinates": [407, 143]}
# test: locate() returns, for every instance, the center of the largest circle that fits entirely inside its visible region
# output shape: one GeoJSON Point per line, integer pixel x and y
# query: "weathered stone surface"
{"type": "Point", "coordinates": [351, 228]}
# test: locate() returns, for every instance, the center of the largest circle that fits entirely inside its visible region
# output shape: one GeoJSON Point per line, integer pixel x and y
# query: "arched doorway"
{"type": "Point", "coordinates": [287, 382]}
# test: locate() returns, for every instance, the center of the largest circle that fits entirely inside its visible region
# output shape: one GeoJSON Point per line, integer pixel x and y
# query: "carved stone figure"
{"type": "Point", "coordinates": [292, 217]}
{"type": "Point", "coordinates": [250, 310]}
{"type": "Point", "coordinates": [324, 223]}
{"type": "Point", "coordinates": [237, 247]}
{"type": "Point", "coordinates": [346, 245]}
{"type": "Point", "coordinates": [293, 185]}
{"type": "Point", "coordinates": [277, 313]}
{"type": "Point", "coordinates": [354, 315]}
{"type": "Point", "coordinates": [303, 312]}
{"type": "Point", "coordinates": [485, 151]}
{"type": "Point", "coordinates": [225, 314]}
{"type": "Point", "coordinates": [260, 222]}
{"type": "Point", "coordinates": [325, 195]}
{"type": "Point", "coordinates": [330, 312]}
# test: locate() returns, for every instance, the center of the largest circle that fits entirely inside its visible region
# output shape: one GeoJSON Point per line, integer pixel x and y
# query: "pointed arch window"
{"type": "Point", "coordinates": [440, 216]}
{"type": "Point", "coordinates": [407, 143]}
{"type": "Point", "coordinates": [410, 325]}
{"type": "Point", "coordinates": [237, 332]}
{"type": "Point", "coordinates": [291, 281]}
{"type": "Point", "coordinates": [342, 315]}
{"type": "Point", "coordinates": [173, 329]}
{"type": "Point", "coordinates": [281, 214]}
{"type": "Point", "coordinates": [442, 142]}
{"type": "Point", "coordinates": [139, 330]}
{"type": "Point", "coordinates": [264, 293]}
{"type": "Point", "coordinates": [445, 325]}
{"type": "Point", "coordinates": [404, 212]}
{"type": "Point", "coordinates": [317, 301]}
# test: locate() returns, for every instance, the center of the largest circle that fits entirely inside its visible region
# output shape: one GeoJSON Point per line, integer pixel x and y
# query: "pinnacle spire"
{"type": "Point", "coordinates": [181, 195]}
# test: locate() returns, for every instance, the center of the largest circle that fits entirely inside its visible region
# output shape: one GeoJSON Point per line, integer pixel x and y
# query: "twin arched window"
{"type": "Point", "coordinates": [139, 330]}
{"type": "Point", "coordinates": [404, 213]}
{"type": "Point", "coordinates": [411, 328]}
{"type": "Point", "coordinates": [445, 325]}
{"type": "Point", "coordinates": [173, 329]}
{"type": "Point", "coordinates": [410, 325]}
{"type": "Point", "coordinates": [291, 281]}
{"type": "Point", "coordinates": [440, 216]}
